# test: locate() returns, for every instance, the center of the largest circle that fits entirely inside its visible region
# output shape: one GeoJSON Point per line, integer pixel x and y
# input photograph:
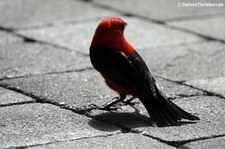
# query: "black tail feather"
{"type": "Point", "coordinates": [164, 112]}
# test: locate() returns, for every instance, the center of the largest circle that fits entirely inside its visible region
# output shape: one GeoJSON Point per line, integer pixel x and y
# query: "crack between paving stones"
{"type": "Point", "coordinates": [196, 17]}
{"type": "Point", "coordinates": [163, 23]}
{"type": "Point", "coordinates": [125, 129]}
{"type": "Point", "coordinates": [183, 142]}
{"type": "Point", "coordinates": [38, 99]}
{"type": "Point", "coordinates": [185, 96]}
{"type": "Point", "coordinates": [208, 38]}
{"type": "Point", "coordinates": [61, 141]}
{"type": "Point", "coordinates": [47, 73]}
{"type": "Point", "coordinates": [55, 24]}
{"type": "Point", "coordinates": [33, 40]}
{"type": "Point", "coordinates": [17, 103]}
{"type": "Point", "coordinates": [83, 112]}
{"type": "Point", "coordinates": [30, 39]}
{"type": "Point", "coordinates": [176, 143]}
{"type": "Point", "coordinates": [124, 13]}
{"type": "Point", "coordinates": [43, 100]}
{"type": "Point", "coordinates": [207, 93]}
{"type": "Point", "coordinates": [173, 45]}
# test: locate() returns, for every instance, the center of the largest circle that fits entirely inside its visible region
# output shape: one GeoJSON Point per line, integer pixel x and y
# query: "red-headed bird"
{"type": "Point", "coordinates": [126, 73]}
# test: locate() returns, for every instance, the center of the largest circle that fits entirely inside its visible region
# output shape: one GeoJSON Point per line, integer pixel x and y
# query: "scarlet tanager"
{"type": "Point", "coordinates": [126, 73]}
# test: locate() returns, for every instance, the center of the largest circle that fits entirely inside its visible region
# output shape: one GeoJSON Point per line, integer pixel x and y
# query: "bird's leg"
{"type": "Point", "coordinates": [109, 106]}
{"type": "Point", "coordinates": [128, 102]}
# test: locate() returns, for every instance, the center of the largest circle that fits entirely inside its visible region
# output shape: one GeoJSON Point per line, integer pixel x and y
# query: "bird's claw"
{"type": "Point", "coordinates": [115, 98]}
{"type": "Point", "coordinates": [116, 107]}
{"type": "Point", "coordinates": [131, 103]}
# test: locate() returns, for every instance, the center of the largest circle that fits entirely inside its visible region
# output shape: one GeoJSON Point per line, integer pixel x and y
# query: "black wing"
{"type": "Point", "coordinates": [130, 72]}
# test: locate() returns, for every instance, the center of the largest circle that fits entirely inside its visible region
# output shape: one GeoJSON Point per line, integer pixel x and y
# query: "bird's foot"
{"type": "Point", "coordinates": [114, 106]}
{"type": "Point", "coordinates": [131, 102]}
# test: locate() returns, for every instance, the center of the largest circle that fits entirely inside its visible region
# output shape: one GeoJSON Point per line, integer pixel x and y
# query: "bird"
{"type": "Point", "coordinates": [125, 72]}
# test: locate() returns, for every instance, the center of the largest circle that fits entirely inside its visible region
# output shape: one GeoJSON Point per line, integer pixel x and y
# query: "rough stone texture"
{"type": "Point", "coordinates": [186, 62]}
{"type": "Point", "coordinates": [214, 29]}
{"type": "Point", "coordinates": [39, 12]}
{"type": "Point", "coordinates": [215, 85]}
{"type": "Point", "coordinates": [37, 59]}
{"type": "Point", "coordinates": [209, 109]}
{"type": "Point", "coordinates": [53, 67]}
{"type": "Point", "coordinates": [125, 141]}
{"type": "Point", "coordinates": [174, 90]}
{"type": "Point", "coordinates": [140, 34]}
{"type": "Point", "coordinates": [162, 10]}
{"type": "Point", "coordinates": [8, 97]}
{"type": "Point", "coordinates": [6, 38]}
{"type": "Point", "coordinates": [80, 90]}
{"type": "Point", "coordinates": [30, 124]}
{"type": "Point", "coordinates": [215, 143]}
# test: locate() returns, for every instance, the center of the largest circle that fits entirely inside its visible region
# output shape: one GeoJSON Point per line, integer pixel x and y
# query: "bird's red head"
{"type": "Point", "coordinates": [110, 32]}
{"type": "Point", "coordinates": [113, 26]}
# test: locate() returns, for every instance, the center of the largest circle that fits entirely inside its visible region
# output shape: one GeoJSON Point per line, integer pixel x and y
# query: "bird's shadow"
{"type": "Point", "coordinates": [128, 120]}
{"type": "Point", "coordinates": [120, 119]}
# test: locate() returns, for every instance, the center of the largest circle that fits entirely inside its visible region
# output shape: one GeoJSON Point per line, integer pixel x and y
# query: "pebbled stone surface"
{"type": "Point", "coordinates": [37, 59]}
{"type": "Point", "coordinates": [30, 124]}
{"type": "Point", "coordinates": [215, 143]}
{"type": "Point", "coordinates": [57, 73]}
{"type": "Point", "coordinates": [214, 29]}
{"type": "Point", "coordinates": [6, 38]}
{"type": "Point", "coordinates": [161, 10]}
{"type": "Point", "coordinates": [186, 62]}
{"type": "Point", "coordinates": [80, 90]}
{"type": "Point", "coordinates": [40, 12]}
{"type": "Point", "coordinates": [174, 90]}
{"type": "Point", "coordinates": [215, 85]}
{"type": "Point", "coordinates": [139, 33]}
{"type": "Point", "coordinates": [8, 97]}
{"type": "Point", "coordinates": [125, 141]}
{"type": "Point", "coordinates": [210, 110]}
{"type": "Point", "coordinates": [77, 90]}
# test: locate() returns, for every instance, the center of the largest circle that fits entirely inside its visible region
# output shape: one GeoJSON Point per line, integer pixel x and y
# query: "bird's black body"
{"type": "Point", "coordinates": [131, 73]}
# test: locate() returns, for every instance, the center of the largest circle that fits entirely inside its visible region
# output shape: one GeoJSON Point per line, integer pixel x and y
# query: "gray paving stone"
{"type": "Point", "coordinates": [79, 90]}
{"type": "Point", "coordinates": [216, 85]}
{"type": "Point", "coordinates": [186, 62]}
{"type": "Point", "coordinates": [8, 97]}
{"type": "Point", "coordinates": [6, 38]}
{"type": "Point", "coordinates": [214, 28]}
{"type": "Point", "coordinates": [209, 109]}
{"type": "Point", "coordinates": [39, 12]}
{"type": "Point", "coordinates": [161, 10]}
{"type": "Point", "coordinates": [124, 141]}
{"type": "Point", "coordinates": [215, 143]}
{"type": "Point", "coordinates": [139, 32]}
{"type": "Point", "coordinates": [21, 59]}
{"type": "Point", "coordinates": [30, 124]}
{"type": "Point", "coordinates": [174, 90]}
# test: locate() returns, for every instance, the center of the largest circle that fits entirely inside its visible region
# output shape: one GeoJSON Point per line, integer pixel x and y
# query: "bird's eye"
{"type": "Point", "coordinates": [122, 26]}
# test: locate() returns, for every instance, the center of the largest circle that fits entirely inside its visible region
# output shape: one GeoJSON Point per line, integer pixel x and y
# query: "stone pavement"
{"type": "Point", "coordinates": [51, 97]}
